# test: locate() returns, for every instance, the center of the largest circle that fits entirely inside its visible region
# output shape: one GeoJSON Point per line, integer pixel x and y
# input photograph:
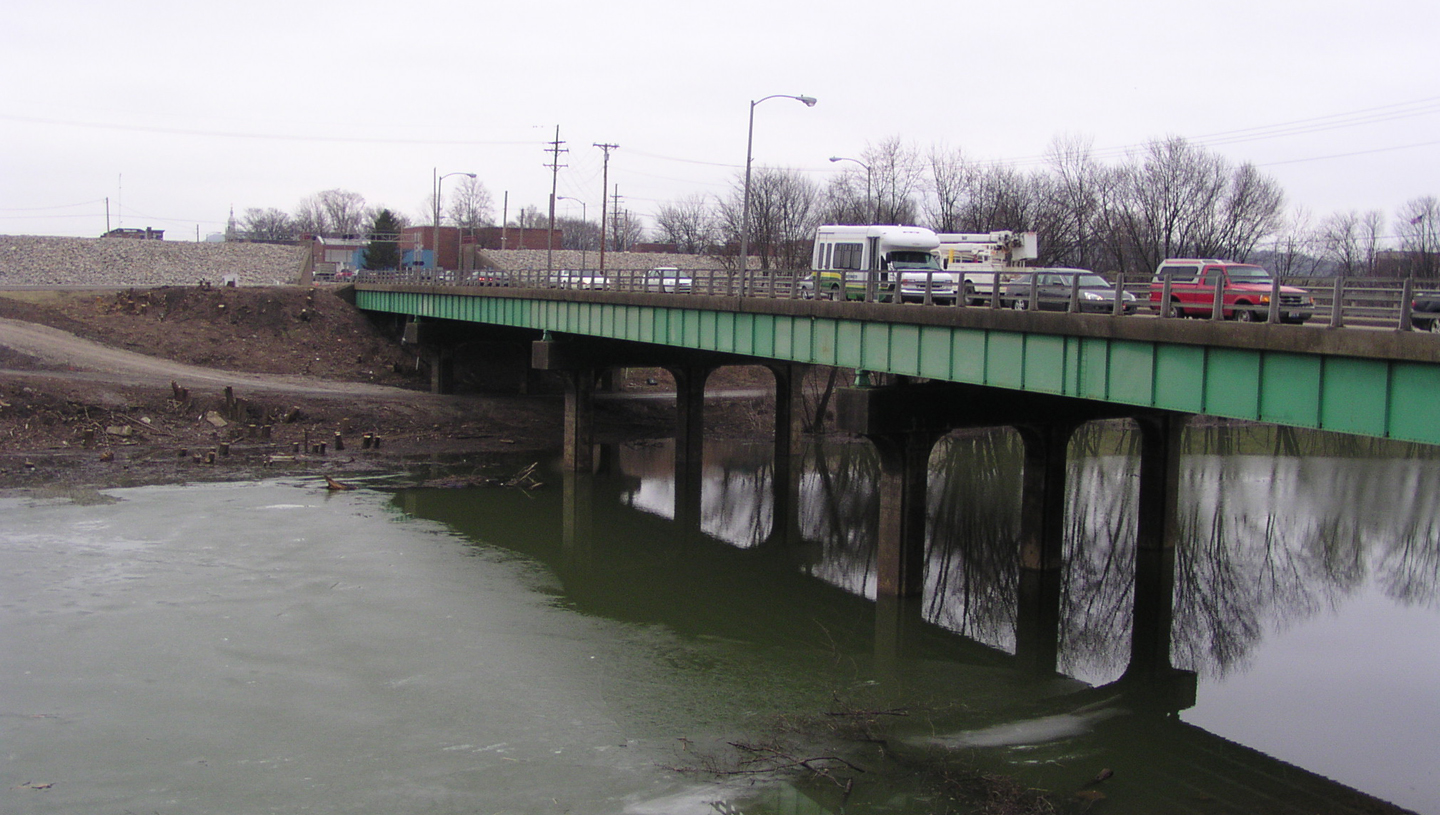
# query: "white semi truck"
{"type": "Point", "coordinates": [984, 258]}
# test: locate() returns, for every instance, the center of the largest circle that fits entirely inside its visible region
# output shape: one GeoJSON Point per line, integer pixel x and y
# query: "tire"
{"type": "Point", "coordinates": [1245, 313]}
{"type": "Point", "coordinates": [970, 298]}
{"type": "Point", "coordinates": [1019, 304]}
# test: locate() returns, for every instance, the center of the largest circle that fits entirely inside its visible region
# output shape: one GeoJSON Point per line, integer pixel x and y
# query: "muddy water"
{"type": "Point", "coordinates": [270, 647]}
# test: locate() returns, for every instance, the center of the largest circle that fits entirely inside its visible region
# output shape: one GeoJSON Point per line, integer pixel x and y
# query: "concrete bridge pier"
{"type": "Point", "coordinates": [904, 477]}
{"type": "Point", "coordinates": [1156, 533]}
{"type": "Point", "coordinates": [789, 415]}
{"type": "Point", "coordinates": [439, 355]}
{"type": "Point", "coordinates": [689, 439]}
{"type": "Point", "coordinates": [579, 421]}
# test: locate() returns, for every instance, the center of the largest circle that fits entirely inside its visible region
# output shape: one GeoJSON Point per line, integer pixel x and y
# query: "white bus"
{"type": "Point", "coordinates": [866, 262]}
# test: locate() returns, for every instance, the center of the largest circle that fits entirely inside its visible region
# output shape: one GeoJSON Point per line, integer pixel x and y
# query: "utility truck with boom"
{"type": "Point", "coordinates": [984, 259]}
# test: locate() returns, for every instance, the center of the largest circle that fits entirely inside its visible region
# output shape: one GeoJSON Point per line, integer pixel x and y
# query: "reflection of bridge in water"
{"type": "Point", "coordinates": [739, 581]}
{"type": "Point", "coordinates": [1044, 375]}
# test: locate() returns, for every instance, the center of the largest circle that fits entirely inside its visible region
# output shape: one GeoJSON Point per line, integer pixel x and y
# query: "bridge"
{"type": "Point", "coordinates": [1042, 373]}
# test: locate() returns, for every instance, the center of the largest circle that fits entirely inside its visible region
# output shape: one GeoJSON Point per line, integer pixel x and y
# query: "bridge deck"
{"type": "Point", "coordinates": [1369, 382]}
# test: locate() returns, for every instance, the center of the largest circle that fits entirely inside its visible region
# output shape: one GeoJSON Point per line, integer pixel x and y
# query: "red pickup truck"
{"type": "Point", "coordinates": [1246, 288]}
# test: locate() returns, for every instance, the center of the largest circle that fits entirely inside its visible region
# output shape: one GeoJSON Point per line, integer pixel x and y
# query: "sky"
{"type": "Point", "coordinates": [179, 112]}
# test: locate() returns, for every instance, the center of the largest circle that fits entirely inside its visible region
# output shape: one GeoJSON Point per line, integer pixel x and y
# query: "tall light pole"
{"type": "Point", "coordinates": [809, 102]}
{"type": "Point", "coordinates": [436, 229]}
{"type": "Point", "coordinates": [583, 217]}
{"type": "Point", "coordinates": [876, 218]}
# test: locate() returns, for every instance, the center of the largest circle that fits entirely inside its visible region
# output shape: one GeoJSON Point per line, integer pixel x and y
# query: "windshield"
{"type": "Point", "coordinates": [914, 260]}
{"type": "Point", "coordinates": [1243, 274]}
{"type": "Point", "coordinates": [1087, 281]}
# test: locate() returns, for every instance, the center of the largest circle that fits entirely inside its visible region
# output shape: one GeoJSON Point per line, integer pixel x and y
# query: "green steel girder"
{"type": "Point", "coordinates": [1382, 384]}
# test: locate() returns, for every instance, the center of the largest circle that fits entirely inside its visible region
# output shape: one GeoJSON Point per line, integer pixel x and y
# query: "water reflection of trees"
{"type": "Point", "coordinates": [973, 528]}
{"type": "Point", "coordinates": [1275, 525]}
{"type": "Point", "coordinates": [839, 510]}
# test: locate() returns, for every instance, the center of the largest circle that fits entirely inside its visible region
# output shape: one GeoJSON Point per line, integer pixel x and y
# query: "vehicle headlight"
{"type": "Point", "coordinates": [1090, 295]}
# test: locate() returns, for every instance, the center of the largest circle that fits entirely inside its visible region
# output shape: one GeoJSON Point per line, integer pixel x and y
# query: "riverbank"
{"type": "Point", "coordinates": [129, 387]}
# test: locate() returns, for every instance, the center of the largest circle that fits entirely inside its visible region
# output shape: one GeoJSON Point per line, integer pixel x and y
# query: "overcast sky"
{"type": "Point", "coordinates": [178, 111]}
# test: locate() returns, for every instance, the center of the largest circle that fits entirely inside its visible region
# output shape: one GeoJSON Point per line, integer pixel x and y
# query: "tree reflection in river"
{"type": "Point", "coordinates": [1275, 526]}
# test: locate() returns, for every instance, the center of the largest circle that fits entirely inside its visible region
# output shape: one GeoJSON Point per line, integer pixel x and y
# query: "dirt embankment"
{"type": "Point", "coordinates": [194, 383]}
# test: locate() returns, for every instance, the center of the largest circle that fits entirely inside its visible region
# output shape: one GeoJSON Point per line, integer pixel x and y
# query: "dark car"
{"type": "Point", "coordinates": [1050, 289]}
{"type": "Point", "coordinates": [1425, 312]}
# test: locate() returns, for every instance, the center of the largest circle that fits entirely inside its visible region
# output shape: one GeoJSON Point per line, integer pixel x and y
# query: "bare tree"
{"type": "Point", "coordinates": [471, 205]}
{"type": "Point", "coordinates": [1340, 243]}
{"type": "Point", "coordinates": [847, 200]}
{"type": "Point", "coordinates": [310, 217]}
{"type": "Point", "coordinates": [896, 175]}
{"type": "Point", "coordinates": [530, 217]}
{"type": "Point", "coordinates": [689, 223]}
{"type": "Point", "coordinates": [345, 211]}
{"type": "Point", "coordinates": [1418, 227]}
{"type": "Point", "coordinates": [1292, 249]}
{"type": "Point", "coordinates": [784, 211]}
{"type": "Point", "coordinates": [951, 177]}
{"type": "Point", "coordinates": [1176, 200]}
{"type": "Point", "coordinates": [578, 233]}
{"type": "Point", "coordinates": [267, 225]}
{"type": "Point", "coordinates": [1072, 199]}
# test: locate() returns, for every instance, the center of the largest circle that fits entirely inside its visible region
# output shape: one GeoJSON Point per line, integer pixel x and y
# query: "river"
{"type": "Point", "coordinates": [274, 647]}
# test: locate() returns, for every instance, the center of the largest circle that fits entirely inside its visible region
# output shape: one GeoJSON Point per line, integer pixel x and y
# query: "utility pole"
{"type": "Point", "coordinates": [604, 188]}
{"type": "Point", "coordinates": [618, 246]}
{"type": "Point", "coordinates": [555, 150]}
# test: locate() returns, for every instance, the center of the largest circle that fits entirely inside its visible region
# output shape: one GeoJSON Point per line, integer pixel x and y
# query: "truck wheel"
{"type": "Point", "coordinates": [970, 298]}
{"type": "Point", "coordinates": [1019, 304]}
{"type": "Point", "coordinates": [1245, 313]}
{"type": "Point", "coordinates": [1434, 326]}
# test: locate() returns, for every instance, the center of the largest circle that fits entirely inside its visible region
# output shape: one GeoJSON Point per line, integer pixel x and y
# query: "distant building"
{"type": "Point", "coordinates": [146, 234]}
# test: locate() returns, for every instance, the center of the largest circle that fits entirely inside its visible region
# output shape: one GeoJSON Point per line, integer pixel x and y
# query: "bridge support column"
{"type": "Point", "coordinates": [689, 440]}
{"type": "Point", "coordinates": [1042, 542]}
{"type": "Point", "coordinates": [441, 359]}
{"type": "Point", "coordinates": [438, 354]}
{"type": "Point", "coordinates": [1156, 532]}
{"type": "Point", "coordinates": [789, 413]}
{"type": "Point", "coordinates": [579, 420]}
{"type": "Point", "coordinates": [904, 476]}
{"type": "Point", "coordinates": [1042, 498]}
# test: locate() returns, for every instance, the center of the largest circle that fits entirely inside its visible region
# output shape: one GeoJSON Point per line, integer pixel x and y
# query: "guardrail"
{"type": "Point", "coordinates": [1394, 303]}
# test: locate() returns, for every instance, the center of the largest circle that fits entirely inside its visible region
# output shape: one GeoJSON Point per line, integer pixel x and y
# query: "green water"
{"type": "Point", "coordinates": [271, 647]}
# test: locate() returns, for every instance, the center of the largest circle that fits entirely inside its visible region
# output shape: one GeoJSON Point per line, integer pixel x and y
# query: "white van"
{"type": "Point", "coordinates": [866, 262]}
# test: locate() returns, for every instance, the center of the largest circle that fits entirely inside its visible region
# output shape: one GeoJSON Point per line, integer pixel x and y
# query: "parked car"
{"type": "Point", "coordinates": [1050, 290]}
{"type": "Point", "coordinates": [1425, 312]}
{"type": "Point", "coordinates": [576, 279]}
{"type": "Point", "coordinates": [667, 279]}
{"type": "Point", "coordinates": [1246, 291]}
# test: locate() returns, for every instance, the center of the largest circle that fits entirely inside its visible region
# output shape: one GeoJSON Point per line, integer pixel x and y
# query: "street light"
{"type": "Point", "coordinates": [583, 217]}
{"type": "Point", "coordinates": [439, 178]}
{"type": "Point", "coordinates": [745, 199]}
{"type": "Point", "coordinates": [867, 182]}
